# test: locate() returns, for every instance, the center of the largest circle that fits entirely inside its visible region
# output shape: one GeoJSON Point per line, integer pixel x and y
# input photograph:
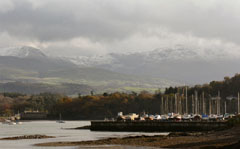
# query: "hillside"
{"type": "Point", "coordinates": [30, 65]}
{"type": "Point", "coordinates": [191, 66]}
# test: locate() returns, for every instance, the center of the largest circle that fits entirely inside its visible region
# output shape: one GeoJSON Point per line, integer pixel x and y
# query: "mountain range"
{"type": "Point", "coordinates": [133, 71]}
{"type": "Point", "coordinates": [179, 63]}
{"type": "Point", "coordinates": [29, 70]}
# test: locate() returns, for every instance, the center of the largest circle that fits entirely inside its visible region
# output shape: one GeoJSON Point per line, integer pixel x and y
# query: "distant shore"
{"type": "Point", "coordinates": [216, 139]}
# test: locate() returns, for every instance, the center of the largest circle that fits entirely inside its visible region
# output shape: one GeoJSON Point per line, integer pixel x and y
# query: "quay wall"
{"type": "Point", "coordinates": [156, 126]}
{"type": "Point", "coordinates": [33, 116]}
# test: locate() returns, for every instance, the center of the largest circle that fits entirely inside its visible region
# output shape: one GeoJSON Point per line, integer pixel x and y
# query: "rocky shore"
{"type": "Point", "coordinates": [28, 137]}
{"type": "Point", "coordinates": [216, 139]}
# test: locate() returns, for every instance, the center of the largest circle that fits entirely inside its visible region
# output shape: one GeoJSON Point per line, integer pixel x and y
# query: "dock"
{"type": "Point", "coordinates": [156, 126]}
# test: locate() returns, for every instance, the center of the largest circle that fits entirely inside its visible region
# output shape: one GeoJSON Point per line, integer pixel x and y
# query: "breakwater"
{"type": "Point", "coordinates": [156, 126]}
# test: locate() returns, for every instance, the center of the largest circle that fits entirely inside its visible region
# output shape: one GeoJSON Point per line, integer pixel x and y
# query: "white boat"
{"type": "Point", "coordinates": [12, 123]}
{"type": "Point", "coordinates": [18, 122]}
{"type": "Point", "coordinates": [213, 117]}
{"type": "Point", "coordinates": [157, 117]}
{"type": "Point", "coordinates": [186, 117]}
{"type": "Point", "coordinates": [6, 122]}
{"type": "Point", "coordinates": [9, 122]}
{"type": "Point", "coordinates": [164, 117]}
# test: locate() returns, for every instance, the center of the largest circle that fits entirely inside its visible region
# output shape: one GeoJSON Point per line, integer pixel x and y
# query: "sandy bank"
{"type": "Point", "coordinates": [218, 139]}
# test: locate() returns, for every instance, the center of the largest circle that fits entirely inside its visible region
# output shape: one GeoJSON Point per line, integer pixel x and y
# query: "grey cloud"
{"type": "Point", "coordinates": [112, 21]}
{"type": "Point", "coordinates": [49, 23]}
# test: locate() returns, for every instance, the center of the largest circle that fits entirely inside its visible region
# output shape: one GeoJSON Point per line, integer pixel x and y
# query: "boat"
{"type": "Point", "coordinates": [186, 117]}
{"type": "Point", "coordinates": [12, 123]}
{"type": "Point", "coordinates": [9, 122]}
{"type": "Point", "coordinates": [18, 122]}
{"type": "Point", "coordinates": [212, 117]}
{"type": "Point", "coordinates": [164, 117]}
{"type": "Point", "coordinates": [157, 117]}
{"type": "Point", "coordinates": [60, 119]}
{"type": "Point", "coordinates": [205, 117]}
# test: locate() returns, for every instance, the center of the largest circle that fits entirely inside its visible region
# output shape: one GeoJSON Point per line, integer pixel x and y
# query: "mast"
{"type": "Point", "coordinates": [192, 104]}
{"type": "Point", "coordinates": [176, 110]}
{"type": "Point", "coordinates": [238, 104]}
{"type": "Point", "coordinates": [167, 105]}
{"type": "Point", "coordinates": [196, 102]}
{"type": "Point", "coordinates": [225, 107]}
{"type": "Point", "coordinates": [203, 104]}
{"type": "Point", "coordinates": [186, 98]}
{"type": "Point", "coordinates": [218, 103]}
{"type": "Point", "coordinates": [210, 107]}
{"type": "Point", "coordinates": [162, 111]}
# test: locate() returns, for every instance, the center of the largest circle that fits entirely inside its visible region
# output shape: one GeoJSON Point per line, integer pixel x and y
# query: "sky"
{"type": "Point", "coordinates": [97, 27]}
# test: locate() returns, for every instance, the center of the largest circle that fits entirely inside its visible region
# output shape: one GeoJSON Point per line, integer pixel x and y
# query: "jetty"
{"type": "Point", "coordinates": [157, 126]}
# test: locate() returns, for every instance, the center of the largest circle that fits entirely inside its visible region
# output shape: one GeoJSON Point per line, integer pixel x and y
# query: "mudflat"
{"type": "Point", "coordinates": [229, 138]}
{"type": "Point", "coordinates": [27, 137]}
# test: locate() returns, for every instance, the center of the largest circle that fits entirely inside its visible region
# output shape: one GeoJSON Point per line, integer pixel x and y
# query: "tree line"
{"type": "Point", "coordinates": [107, 105]}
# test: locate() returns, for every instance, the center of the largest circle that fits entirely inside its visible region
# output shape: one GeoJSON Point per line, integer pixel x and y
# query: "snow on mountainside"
{"type": "Point", "coordinates": [91, 60]}
{"type": "Point", "coordinates": [176, 53]}
{"type": "Point", "coordinates": [180, 63]}
{"type": "Point", "coordinates": [30, 65]}
{"type": "Point", "coordinates": [22, 52]}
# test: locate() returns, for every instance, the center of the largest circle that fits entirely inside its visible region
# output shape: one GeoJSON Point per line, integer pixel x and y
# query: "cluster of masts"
{"type": "Point", "coordinates": [172, 117]}
{"type": "Point", "coordinates": [199, 104]}
{"type": "Point", "coordinates": [195, 107]}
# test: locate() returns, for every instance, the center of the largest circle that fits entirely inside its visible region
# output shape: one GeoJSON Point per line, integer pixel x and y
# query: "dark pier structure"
{"type": "Point", "coordinates": [156, 126]}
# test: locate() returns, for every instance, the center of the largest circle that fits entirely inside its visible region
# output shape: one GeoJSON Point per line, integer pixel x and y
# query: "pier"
{"type": "Point", "coordinates": [156, 126]}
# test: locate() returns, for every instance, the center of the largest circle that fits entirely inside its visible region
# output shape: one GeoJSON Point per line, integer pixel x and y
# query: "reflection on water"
{"type": "Point", "coordinates": [51, 128]}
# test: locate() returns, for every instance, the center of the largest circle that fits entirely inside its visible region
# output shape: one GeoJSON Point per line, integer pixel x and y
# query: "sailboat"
{"type": "Point", "coordinates": [60, 119]}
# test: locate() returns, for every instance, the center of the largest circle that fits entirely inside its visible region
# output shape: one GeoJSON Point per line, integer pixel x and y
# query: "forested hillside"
{"type": "Point", "coordinates": [108, 105]}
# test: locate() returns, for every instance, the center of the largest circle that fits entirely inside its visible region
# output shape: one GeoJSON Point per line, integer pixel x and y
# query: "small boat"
{"type": "Point", "coordinates": [12, 123]}
{"type": "Point", "coordinates": [213, 117]}
{"type": "Point", "coordinates": [164, 117]}
{"type": "Point", "coordinates": [6, 122]}
{"type": "Point", "coordinates": [9, 122]}
{"type": "Point", "coordinates": [177, 118]}
{"type": "Point", "coordinates": [60, 119]}
{"type": "Point", "coordinates": [205, 117]}
{"type": "Point", "coordinates": [157, 117]}
{"type": "Point", "coordinates": [18, 122]}
{"type": "Point", "coordinates": [186, 117]}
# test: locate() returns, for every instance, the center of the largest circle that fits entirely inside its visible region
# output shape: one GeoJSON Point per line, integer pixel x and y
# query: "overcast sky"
{"type": "Point", "coordinates": [88, 27]}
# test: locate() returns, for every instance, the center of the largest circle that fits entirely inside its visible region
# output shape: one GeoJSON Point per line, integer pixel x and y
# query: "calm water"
{"type": "Point", "coordinates": [51, 128]}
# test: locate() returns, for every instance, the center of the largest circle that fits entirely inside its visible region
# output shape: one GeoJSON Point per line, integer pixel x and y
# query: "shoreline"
{"type": "Point", "coordinates": [28, 137]}
{"type": "Point", "coordinates": [214, 139]}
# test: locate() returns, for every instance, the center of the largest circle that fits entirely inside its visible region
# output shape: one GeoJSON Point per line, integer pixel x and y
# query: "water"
{"type": "Point", "coordinates": [51, 128]}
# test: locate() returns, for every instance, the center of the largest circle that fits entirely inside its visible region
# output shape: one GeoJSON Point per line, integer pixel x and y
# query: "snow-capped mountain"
{"type": "Point", "coordinates": [176, 63]}
{"type": "Point", "coordinates": [31, 65]}
{"type": "Point", "coordinates": [22, 52]}
{"type": "Point", "coordinates": [176, 53]}
{"type": "Point", "coordinates": [91, 60]}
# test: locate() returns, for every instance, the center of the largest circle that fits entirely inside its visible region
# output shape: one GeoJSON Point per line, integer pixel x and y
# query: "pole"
{"type": "Point", "coordinates": [238, 104]}
{"type": "Point", "coordinates": [203, 104]}
{"type": "Point", "coordinates": [192, 104]}
{"type": "Point", "coordinates": [162, 111]}
{"type": "Point", "coordinates": [210, 110]}
{"type": "Point", "coordinates": [186, 101]}
{"type": "Point", "coordinates": [225, 107]}
{"type": "Point", "coordinates": [175, 103]}
{"type": "Point", "coordinates": [196, 102]}
{"type": "Point", "coordinates": [218, 103]}
{"type": "Point", "coordinates": [167, 105]}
